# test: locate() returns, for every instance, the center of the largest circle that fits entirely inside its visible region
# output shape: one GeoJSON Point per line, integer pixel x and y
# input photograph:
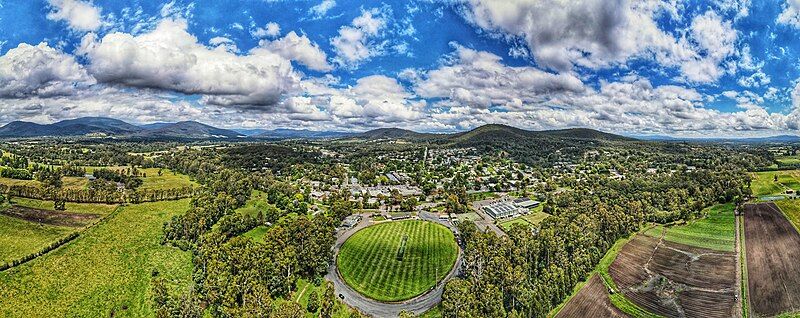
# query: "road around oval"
{"type": "Point", "coordinates": [416, 305]}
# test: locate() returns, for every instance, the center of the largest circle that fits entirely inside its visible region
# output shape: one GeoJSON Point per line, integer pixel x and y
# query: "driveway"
{"type": "Point", "coordinates": [417, 305]}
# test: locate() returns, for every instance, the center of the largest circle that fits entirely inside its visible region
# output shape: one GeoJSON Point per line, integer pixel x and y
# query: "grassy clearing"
{"type": "Point", "coordinates": [93, 208]}
{"type": "Point", "coordinates": [107, 268]}
{"type": "Point", "coordinates": [167, 180]}
{"type": "Point", "coordinates": [471, 216]}
{"type": "Point", "coordinates": [716, 231]}
{"type": "Point", "coordinates": [256, 203]}
{"type": "Point", "coordinates": [368, 260]}
{"type": "Point", "coordinates": [789, 160]}
{"type": "Point", "coordinates": [257, 234]}
{"type": "Point", "coordinates": [305, 288]}
{"type": "Point", "coordinates": [764, 182]}
{"type": "Point", "coordinates": [743, 266]}
{"type": "Point", "coordinates": [535, 217]}
{"type": "Point", "coordinates": [19, 237]}
{"type": "Point", "coordinates": [791, 208]}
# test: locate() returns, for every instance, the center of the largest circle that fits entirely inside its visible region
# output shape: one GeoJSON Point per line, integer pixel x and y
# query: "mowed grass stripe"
{"type": "Point", "coordinates": [368, 260]}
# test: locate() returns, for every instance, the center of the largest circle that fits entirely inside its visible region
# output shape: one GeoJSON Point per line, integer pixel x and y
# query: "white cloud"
{"type": "Point", "coordinates": [355, 43]}
{"type": "Point", "coordinates": [478, 79]}
{"type": "Point", "coordinates": [172, 59]}
{"type": "Point", "coordinates": [299, 48]}
{"type": "Point", "coordinates": [272, 30]}
{"type": "Point", "coordinates": [322, 8]}
{"type": "Point", "coordinates": [791, 14]}
{"type": "Point", "coordinates": [40, 70]}
{"type": "Point", "coordinates": [757, 79]}
{"type": "Point", "coordinates": [715, 39]}
{"type": "Point", "coordinates": [80, 15]}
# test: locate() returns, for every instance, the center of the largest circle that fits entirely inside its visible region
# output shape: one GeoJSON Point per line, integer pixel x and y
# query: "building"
{"type": "Point", "coordinates": [525, 203]}
{"type": "Point", "coordinates": [351, 221]}
{"type": "Point", "coordinates": [501, 210]}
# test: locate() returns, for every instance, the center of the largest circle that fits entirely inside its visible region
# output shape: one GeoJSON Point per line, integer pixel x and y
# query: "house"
{"type": "Point", "coordinates": [90, 177]}
{"type": "Point", "coordinates": [350, 221]}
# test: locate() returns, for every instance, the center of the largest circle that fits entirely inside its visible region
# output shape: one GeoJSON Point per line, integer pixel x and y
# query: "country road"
{"type": "Point", "coordinates": [374, 308]}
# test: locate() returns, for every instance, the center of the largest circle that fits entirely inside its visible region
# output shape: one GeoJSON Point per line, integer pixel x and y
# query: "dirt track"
{"type": "Point", "coordinates": [773, 260]}
{"type": "Point", "coordinates": [50, 217]}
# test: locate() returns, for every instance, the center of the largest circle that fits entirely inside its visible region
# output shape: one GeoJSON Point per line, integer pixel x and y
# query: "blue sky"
{"type": "Point", "coordinates": [684, 68]}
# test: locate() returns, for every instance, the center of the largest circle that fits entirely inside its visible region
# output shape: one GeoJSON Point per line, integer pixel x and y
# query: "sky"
{"type": "Point", "coordinates": [639, 67]}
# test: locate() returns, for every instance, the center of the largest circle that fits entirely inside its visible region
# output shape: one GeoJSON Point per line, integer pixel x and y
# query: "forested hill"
{"type": "Point", "coordinates": [492, 133]}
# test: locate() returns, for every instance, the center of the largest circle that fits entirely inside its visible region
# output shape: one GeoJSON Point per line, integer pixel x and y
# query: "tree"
{"type": "Point", "coordinates": [328, 299]}
{"type": "Point", "coordinates": [313, 302]}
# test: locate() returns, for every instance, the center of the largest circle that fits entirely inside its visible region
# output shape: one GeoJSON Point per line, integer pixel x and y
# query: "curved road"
{"type": "Point", "coordinates": [375, 308]}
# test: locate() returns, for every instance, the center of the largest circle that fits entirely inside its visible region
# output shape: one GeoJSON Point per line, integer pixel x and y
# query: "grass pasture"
{"type": "Point", "coordinates": [764, 184]}
{"type": "Point", "coordinates": [106, 270]}
{"type": "Point", "coordinates": [93, 208]}
{"type": "Point", "coordinates": [791, 208]}
{"type": "Point", "coordinates": [370, 260]}
{"type": "Point", "coordinates": [716, 231]}
{"type": "Point", "coordinates": [19, 237]}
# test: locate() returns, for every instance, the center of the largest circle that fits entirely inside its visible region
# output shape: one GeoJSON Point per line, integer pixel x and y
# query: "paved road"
{"type": "Point", "coordinates": [486, 222]}
{"type": "Point", "coordinates": [374, 308]}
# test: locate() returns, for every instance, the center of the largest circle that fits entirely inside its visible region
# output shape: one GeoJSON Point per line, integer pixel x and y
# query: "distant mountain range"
{"type": "Point", "coordinates": [101, 126]}
{"type": "Point", "coordinates": [491, 133]}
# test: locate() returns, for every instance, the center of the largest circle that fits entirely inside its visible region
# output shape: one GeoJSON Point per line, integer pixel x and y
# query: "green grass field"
{"type": "Point", "coordinates": [102, 209]}
{"type": "Point", "coordinates": [536, 217]}
{"type": "Point", "coordinates": [791, 208]}
{"type": "Point", "coordinates": [368, 261]}
{"type": "Point", "coordinates": [764, 182]}
{"type": "Point", "coordinates": [789, 160]}
{"type": "Point", "coordinates": [167, 180]}
{"type": "Point", "coordinates": [256, 203]}
{"type": "Point", "coordinates": [105, 269]}
{"type": "Point", "coordinates": [19, 237]}
{"type": "Point", "coordinates": [716, 231]}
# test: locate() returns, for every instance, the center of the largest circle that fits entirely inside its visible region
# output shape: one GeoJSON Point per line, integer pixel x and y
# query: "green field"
{"type": "Point", "coordinates": [19, 237]}
{"type": "Point", "coordinates": [373, 263]}
{"type": "Point", "coordinates": [764, 182]}
{"type": "Point", "coordinates": [106, 269]}
{"type": "Point", "coordinates": [536, 217]}
{"type": "Point", "coordinates": [167, 180]}
{"type": "Point", "coordinates": [791, 208]}
{"type": "Point", "coordinates": [716, 231]}
{"type": "Point", "coordinates": [93, 208]}
{"type": "Point", "coordinates": [788, 160]}
{"type": "Point", "coordinates": [256, 203]}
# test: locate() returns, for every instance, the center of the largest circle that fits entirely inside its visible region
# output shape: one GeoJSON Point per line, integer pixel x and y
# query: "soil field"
{"type": "Point", "coordinates": [675, 280]}
{"type": "Point", "coordinates": [591, 301]}
{"type": "Point", "coordinates": [50, 217]}
{"type": "Point", "coordinates": [773, 251]}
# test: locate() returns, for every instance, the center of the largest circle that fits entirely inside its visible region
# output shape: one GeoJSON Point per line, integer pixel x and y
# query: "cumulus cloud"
{"type": "Point", "coordinates": [791, 14]}
{"type": "Point", "coordinates": [172, 59]}
{"type": "Point", "coordinates": [322, 8]}
{"type": "Point", "coordinates": [356, 42]}
{"type": "Point", "coordinates": [272, 30]}
{"type": "Point", "coordinates": [79, 15]}
{"type": "Point", "coordinates": [600, 33]}
{"type": "Point", "coordinates": [299, 48]}
{"type": "Point", "coordinates": [591, 33]}
{"type": "Point", "coordinates": [479, 79]}
{"type": "Point", "coordinates": [41, 70]}
{"type": "Point", "coordinates": [757, 79]}
{"type": "Point", "coordinates": [715, 39]}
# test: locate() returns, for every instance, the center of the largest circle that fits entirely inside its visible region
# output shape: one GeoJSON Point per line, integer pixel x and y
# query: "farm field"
{"type": "Point", "coordinates": [106, 270]}
{"type": "Point", "coordinates": [591, 301]}
{"type": "Point", "coordinates": [773, 248]}
{"type": "Point", "coordinates": [790, 208]}
{"type": "Point", "coordinates": [716, 231]}
{"type": "Point", "coordinates": [764, 184]}
{"type": "Point", "coordinates": [395, 261]}
{"type": "Point", "coordinates": [675, 280]}
{"type": "Point", "coordinates": [19, 237]}
{"type": "Point", "coordinates": [167, 180]}
{"type": "Point", "coordinates": [91, 208]}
